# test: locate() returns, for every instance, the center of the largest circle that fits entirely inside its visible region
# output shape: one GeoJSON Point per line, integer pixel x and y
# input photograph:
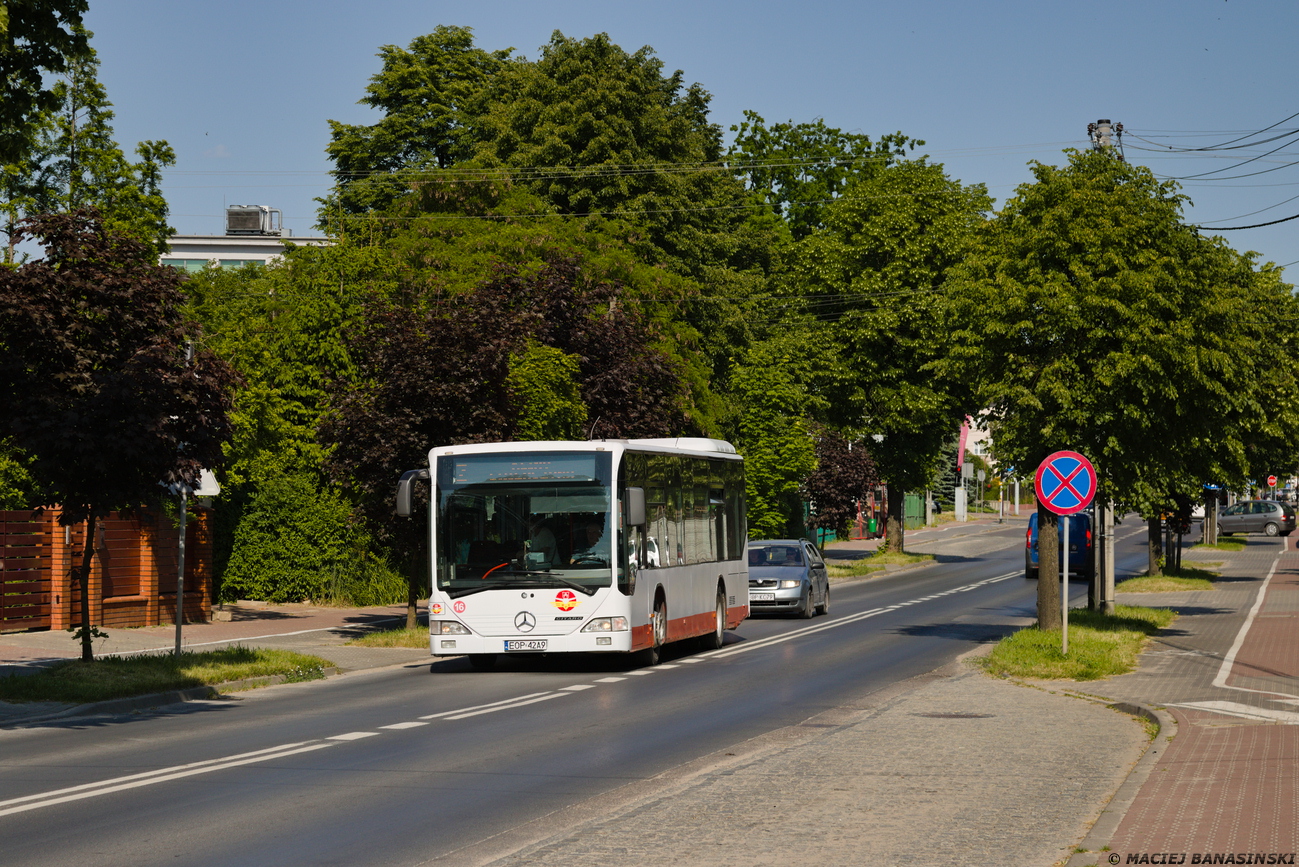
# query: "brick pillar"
{"type": "Point", "coordinates": [202, 560]}
{"type": "Point", "coordinates": [96, 586]}
{"type": "Point", "coordinates": [63, 591]}
{"type": "Point", "coordinates": [149, 569]}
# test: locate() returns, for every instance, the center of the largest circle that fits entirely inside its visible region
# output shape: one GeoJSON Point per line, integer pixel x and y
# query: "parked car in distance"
{"type": "Point", "coordinates": [1257, 516]}
{"type": "Point", "coordinates": [787, 575]}
{"type": "Point", "coordinates": [1082, 563]}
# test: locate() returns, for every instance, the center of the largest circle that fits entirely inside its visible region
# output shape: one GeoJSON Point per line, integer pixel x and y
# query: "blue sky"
{"type": "Point", "coordinates": [243, 90]}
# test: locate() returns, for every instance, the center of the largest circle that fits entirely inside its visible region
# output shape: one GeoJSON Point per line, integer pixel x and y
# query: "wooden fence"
{"type": "Point", "coordinates": [132, 578]}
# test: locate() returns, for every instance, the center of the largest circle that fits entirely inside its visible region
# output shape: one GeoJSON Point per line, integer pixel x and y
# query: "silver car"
{"type": "Point", "coordinates": [787, 575]}
{"type": "Point", "coordinates": [1257, 516]}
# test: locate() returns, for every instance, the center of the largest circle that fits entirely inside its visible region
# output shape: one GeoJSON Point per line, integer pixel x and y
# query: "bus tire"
{"type": "Point", "coordinates": [653, 654]}
{"type": "Point", "coordinates": [482, 661]}
{"type": "Point", "coordinates": [714, 639]}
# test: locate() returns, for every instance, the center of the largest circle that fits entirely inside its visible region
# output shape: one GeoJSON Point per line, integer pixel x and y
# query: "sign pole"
{"type": "Point", "coordinates": [1065, 485]}
{"type": "Point", "coordinates": [180, 568]}
{"type": "Point", "coordinates": [1064, 589]}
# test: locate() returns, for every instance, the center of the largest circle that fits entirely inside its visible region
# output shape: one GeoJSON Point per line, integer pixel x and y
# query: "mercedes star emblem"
{"type": "Point", "coordinates": [524, 621]}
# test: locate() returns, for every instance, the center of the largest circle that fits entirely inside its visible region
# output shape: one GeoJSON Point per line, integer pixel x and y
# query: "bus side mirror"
{"type": "Point", "coordinates": [635, 504]}
{"type": "Point", "coordinates": [404, 485]}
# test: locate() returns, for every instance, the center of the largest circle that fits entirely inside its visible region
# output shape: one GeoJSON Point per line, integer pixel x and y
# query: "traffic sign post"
{"type": "Point", "coordinates": [1065, 485]}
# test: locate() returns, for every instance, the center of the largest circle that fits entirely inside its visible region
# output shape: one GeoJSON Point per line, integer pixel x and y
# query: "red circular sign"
{"type": "Point", "coordinates": [1271, 481]}
{"type": "Point", "coordinates": [459, 607]}
{"type": "Point", "coordinates": [565, 600]}
{"type": "Point", "coordinates": [1066, 483]}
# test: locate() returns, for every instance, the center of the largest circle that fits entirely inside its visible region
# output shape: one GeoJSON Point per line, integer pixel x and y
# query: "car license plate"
{"type": "Point", "coordinates": [762, 597]}
{"type": "Point", "coordinates": [525, 644]}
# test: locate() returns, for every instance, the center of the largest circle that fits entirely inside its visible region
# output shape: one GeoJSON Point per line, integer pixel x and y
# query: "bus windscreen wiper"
{"type": "Point", "coordinates": [551, 576]}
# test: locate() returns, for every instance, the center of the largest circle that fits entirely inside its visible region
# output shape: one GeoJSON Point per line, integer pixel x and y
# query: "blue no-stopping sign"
{"type": "Point", "coordinates": [1066, 483]}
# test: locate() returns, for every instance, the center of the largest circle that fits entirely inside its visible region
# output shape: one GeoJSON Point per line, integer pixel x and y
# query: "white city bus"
{"type": "Point", "coordinates": [601, 546]}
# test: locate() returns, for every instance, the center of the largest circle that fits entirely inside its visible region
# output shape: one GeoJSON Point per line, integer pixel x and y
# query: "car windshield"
{"type": "Point", "coordinates": [775, 555]}
{"type": "Point", "coordinates": [523, 520]}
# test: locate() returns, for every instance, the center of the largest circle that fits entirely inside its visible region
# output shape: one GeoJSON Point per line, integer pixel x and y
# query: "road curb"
{"type": "Point", "coordinates": [881, 573]}
{"type": "Point", "coordinates": [161, 699]}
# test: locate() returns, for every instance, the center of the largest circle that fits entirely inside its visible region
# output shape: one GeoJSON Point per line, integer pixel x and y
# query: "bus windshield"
{"type": "Point", "coordinates": [511, 520]}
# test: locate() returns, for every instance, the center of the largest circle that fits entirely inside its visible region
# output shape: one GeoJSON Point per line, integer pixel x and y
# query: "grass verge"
{"type": "Point", "coordinates": [1100, 645]}
{"type": "Point", "coordinates": [874, 563]}
{"type": "Point", "coordinates": [1229, 543]}
{"type": "Point", "coordinates": [402, 637]}
{"type": "Point", "coordinates": [1186, 578]}
{"type": "Point", "coordinates": [122, 677]}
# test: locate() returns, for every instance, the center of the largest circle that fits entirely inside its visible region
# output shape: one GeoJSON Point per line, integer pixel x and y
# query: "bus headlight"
{"type": "Point", "coordinates": [447, 627]}
{"type": "Point", "coordinates": [606, 624]}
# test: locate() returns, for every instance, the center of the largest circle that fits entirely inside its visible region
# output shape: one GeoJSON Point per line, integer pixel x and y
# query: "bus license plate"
{"type": "Point", "coordinates": [525, 644]}
{"type": "Point", "coordinates": [762, 597]}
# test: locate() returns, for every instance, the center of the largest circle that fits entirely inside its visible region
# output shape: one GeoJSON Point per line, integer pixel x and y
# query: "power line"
{"type": "Point", "coordinates": [1255, 226]}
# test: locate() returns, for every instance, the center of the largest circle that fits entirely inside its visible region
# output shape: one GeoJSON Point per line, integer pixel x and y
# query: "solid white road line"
{"type": "Point", "coordinates": [136, 781]}
{"type": "Point", "coordinates": [1245, 711]}
{"type": "Point", "coordinates": [1224, 671]}
{"type": "Point", "coordinates": [447, 713]}
{"type": "Point", "coordinates": [511, 706]}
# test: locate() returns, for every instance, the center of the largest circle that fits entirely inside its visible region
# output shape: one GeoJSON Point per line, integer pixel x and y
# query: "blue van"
{"type": "Point", "coordinates": [1082, 562]}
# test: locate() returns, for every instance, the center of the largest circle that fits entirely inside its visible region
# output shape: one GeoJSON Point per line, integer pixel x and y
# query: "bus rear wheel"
{"type": "Point", "coordinates": [714, 639]}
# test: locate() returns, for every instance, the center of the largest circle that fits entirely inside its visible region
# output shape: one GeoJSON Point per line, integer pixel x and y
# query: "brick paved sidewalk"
{"type": "Point", "coordinates": [1228, 673]}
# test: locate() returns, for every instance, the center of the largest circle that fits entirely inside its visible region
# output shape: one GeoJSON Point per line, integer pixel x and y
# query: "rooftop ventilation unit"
{"type": "Point", "coordinates": [254, 220]}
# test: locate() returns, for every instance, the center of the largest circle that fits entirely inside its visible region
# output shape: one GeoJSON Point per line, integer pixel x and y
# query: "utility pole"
{"type": "Point", "coordinates": [1105, 135]}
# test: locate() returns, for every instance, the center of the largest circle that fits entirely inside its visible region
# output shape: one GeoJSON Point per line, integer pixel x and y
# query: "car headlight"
{"type": "Point", "coordinates": [447, 627]}
{"type": "Point", "coordinates": [788, 583]}
{"type": "Point", "coordinates": [606, 624]}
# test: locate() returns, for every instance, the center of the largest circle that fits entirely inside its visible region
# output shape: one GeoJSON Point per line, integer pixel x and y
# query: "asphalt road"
{"type": "Point", "coordinates": [402, 766]}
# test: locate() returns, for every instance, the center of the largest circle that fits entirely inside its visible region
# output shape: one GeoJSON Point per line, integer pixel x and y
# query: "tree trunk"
{"type": "Point", "coordinates": [1048, 569]}
{"type": "Point", "coordinates": [83, 580]}
{"type": "Point", "coordinates": [895, 522]}
{"type": "Point", "coordinates": [416, 580]}
{"type": "Point", "coordinates": [1154, 547]}
{"type": "Point", "coordinates": [1210, 525]}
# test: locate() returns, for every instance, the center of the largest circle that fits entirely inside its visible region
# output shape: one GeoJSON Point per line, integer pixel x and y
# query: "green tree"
{"type": "Point", "coordinates": [776, 386]}
{"type": "Point", "coordinates": [545, 381]}
{"type": "Point", "coordinates": [422, 91]}
{"type": "Point", "coordinates": [17, 489]}
{"type": "Point", "coordinates": [593, 129]}
{"type": "Point", "coordinates": [797, 170]}
{"type": "Point", "coordinates": [1091, 318]}
{"type": "Point", "coordinates": [95, 380]}
{"type": "Point", "coordinates": [282, 327]}
{"type": "Point", "coordinates": [875, 278]}
{"type": "Point", "coordinates": [37, 37]}
{"type": "Point", "coordinates": [74, 162]}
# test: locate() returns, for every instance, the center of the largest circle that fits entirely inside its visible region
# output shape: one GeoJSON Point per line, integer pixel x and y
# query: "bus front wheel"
{"type": "Point", "coordinates": [659, 628]}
